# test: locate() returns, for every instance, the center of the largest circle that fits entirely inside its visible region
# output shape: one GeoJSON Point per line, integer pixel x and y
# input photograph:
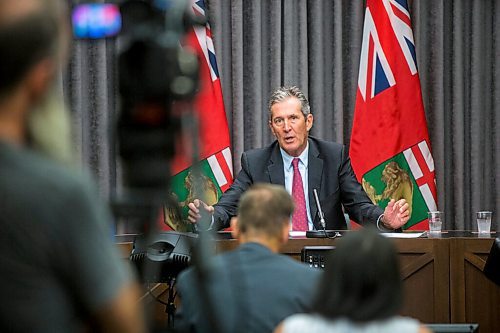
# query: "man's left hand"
{"type": "Point", "coordinates": [396, 214]}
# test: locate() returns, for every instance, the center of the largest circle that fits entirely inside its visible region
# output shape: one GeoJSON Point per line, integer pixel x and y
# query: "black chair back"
{"type": "Point", "coordinates": [492, 267]}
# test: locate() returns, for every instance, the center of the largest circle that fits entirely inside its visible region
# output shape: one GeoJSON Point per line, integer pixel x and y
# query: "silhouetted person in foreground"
{"type": "Point", "coordinates": [360, 291]}
{"type": "Point", "coordinates": [59, 271]}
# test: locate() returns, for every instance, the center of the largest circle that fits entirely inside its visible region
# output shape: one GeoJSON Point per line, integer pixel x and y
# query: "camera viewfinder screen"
{"type": "Point", "coordinates": [96, 20]}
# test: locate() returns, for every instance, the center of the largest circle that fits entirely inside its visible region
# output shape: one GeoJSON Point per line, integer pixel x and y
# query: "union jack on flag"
{"type": "Point", "coordinates": [204, 35]}
{"type": "Point", "coordinates": [390, 148]}
{"type": "Point", "coordinates": [375, 73]}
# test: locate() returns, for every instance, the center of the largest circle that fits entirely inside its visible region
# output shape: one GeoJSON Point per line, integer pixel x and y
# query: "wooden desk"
{"type": "Point", "coordinates": [473, 297]}
{"type": "Point", "coordinates": [443, 278]}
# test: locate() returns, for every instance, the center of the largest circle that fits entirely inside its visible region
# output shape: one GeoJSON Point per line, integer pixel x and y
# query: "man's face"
{"type": "Point", "coordinates": [49, 127]}
{"type": "Point", "coordinates": [289, 126]}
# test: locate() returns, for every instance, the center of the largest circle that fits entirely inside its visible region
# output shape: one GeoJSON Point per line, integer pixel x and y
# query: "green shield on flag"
{"type": "Point", "coordinates": [183, 190]}
{"type": "Point", "coordinates": [393, 179]}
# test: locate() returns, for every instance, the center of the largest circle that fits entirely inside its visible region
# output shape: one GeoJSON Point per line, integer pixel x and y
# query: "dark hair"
{"type": "Point", "coordinates": [362, 280]}
{"type": "Point", "coordinates": [25, 40]}
{"type": "Point", "coordinates": [265, 208]}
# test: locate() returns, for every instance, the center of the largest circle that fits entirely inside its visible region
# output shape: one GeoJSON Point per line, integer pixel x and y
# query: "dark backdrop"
{"type": "Point", "coordinates": [315, 44]}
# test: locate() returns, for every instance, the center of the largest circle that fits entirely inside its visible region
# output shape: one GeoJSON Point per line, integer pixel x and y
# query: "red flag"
{"type": "Point", "coordinates": [390, 149]}
{"type": "Point", "coordinates": [215, 154]}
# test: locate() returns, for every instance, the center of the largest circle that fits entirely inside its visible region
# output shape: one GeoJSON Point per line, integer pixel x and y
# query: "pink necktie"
{"type": "Point", "coordinates": [299, 217]}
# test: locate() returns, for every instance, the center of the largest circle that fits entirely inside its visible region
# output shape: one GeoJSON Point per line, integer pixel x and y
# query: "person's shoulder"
{"type": "Point", "coordinates": [299, 318]}
{"type": "Point", "coordinates": [259, 152]}
{"type": "Point", "coordinates": [40, 174]}
{"type": "Point", "coordinates": [303, 322]}
{"type": "Point", "coordinates": [323, 145]}
{"type": "Point", "coordinates": [184, 279]}
{"type": "Point", "coordinates": [188, 276]}
{"type": "Point", "coordinates": [400, 324]}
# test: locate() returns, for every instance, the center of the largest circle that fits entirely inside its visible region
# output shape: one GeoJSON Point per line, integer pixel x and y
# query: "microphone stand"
{"type": "Point", "coordinates": [321, 233]}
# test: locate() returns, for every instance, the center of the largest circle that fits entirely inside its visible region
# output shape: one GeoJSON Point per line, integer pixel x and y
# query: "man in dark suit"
{"type": "Point", "coordinates": [324, 166]}
{"type": "Point", "coordinates": [253, 287]}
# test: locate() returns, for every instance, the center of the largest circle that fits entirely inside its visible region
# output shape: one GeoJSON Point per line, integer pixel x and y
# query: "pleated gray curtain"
{"type": "Point", "coordinates": [90, 90]}
{"type": "Point", "coordinates": [315, 45]}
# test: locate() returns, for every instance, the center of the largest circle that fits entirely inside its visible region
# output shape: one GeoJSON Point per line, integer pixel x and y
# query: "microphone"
{"type": "Point", "coordinates": [320, 211]}
{"type": "Point", "coordinates": [321, 233]}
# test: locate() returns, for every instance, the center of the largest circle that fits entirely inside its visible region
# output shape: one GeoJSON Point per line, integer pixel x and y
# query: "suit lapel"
{"type": "Point", "coordinates": [315, 173]}
{"type": "Point", "coordinates": [275, 167]}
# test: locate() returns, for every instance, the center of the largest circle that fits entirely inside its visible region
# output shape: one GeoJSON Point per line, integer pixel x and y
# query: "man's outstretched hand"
{"type": "Point", "coordinates": [198, 209]}
{"type": "Point", "coordinates": [396, 214]}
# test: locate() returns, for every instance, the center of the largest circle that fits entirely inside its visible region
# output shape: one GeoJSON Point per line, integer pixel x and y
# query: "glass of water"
{"type": "Point", "coordinates": [436, 220]}
{"type": "Point", "coordinates": [483, 222]}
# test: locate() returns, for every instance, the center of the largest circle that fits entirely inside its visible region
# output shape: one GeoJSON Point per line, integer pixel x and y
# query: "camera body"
{"type": "Point", "coordinates": [154, 73]}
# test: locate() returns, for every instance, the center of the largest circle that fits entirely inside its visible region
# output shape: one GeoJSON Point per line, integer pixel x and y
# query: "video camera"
{"type": "Point", "coordinates": [154, 73]}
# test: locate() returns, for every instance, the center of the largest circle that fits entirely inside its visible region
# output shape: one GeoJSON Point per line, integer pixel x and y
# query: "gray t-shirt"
{"type": "Point", "coordinates": [58, 264]}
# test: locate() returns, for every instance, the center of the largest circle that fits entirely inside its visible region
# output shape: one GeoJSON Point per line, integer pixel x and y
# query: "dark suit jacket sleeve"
{"type": "Point", "coordinates": [354, 199]}
{"type": "Point", "coordinates": [227, 206]}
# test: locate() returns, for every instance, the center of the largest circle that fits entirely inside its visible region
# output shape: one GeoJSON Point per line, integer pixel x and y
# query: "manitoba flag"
{"type": "Point", "coordinates": [390, 150]}
{"type": "Point", "coordinates": [215, 154]}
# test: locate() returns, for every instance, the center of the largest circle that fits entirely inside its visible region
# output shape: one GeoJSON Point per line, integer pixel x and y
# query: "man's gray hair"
{"type": "Point", "coordinates": [282, 93]}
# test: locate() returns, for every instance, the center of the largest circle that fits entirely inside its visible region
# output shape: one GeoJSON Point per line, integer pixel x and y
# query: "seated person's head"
{"type": "Point", "coordinates": [264, 212]}
{"type": "Point", "coordinates": [362, 281]}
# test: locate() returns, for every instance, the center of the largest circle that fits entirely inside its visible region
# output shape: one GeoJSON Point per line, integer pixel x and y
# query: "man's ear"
{"type": "Point", "coordinates": [39, 78]}
{"type": "Point", "coordinates": [285, 232]}
{"type": "Point", "coordinates": [235, 230]}
{"type": "Point", "coordinates": [309, 121]}
{"type": "Point", "coordinates": [271, 127]}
